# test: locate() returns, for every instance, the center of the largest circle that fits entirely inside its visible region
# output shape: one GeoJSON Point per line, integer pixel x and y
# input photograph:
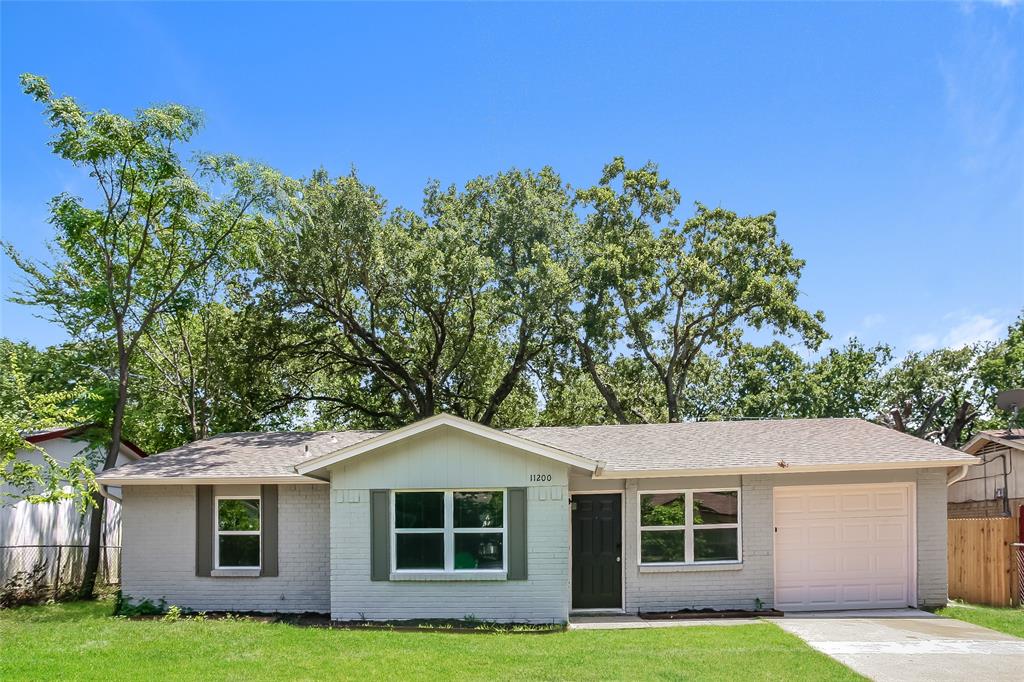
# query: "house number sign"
{"type": "Point", "coordinates": [536, 478]}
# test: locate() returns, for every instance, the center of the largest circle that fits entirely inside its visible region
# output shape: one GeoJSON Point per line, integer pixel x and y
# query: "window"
{"type": "Point", "coordinates": [238, 532]}
{"type": "Point", "coordinates": [689, 526]}
{"type": "Point", "coordinates": [449, 530]}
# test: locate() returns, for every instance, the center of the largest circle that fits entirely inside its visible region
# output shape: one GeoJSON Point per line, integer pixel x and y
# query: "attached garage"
{"type": "Point", "coordinates": [844, 547]}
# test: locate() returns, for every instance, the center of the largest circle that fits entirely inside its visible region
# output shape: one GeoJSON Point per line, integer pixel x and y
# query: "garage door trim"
{"type": "Point", "coordinates": [910, 487]}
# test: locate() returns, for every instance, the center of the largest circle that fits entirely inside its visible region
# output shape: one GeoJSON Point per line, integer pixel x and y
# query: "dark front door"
{"type": "Point", "coordinates": [597, 551]}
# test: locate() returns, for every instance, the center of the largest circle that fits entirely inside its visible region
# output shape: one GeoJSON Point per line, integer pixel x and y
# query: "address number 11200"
{"type": "Point", "coordinates": [537, 478]}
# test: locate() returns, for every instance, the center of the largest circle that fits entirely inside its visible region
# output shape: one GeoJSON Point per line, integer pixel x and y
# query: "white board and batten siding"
{"type": "Point", "coordinates": [445, 458]}
{"type": "Point", "coordinates": [844, 547]}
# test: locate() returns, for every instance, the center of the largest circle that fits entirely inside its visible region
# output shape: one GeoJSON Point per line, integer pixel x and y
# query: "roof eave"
{"type": "Point", "coordinates": [285, 479]}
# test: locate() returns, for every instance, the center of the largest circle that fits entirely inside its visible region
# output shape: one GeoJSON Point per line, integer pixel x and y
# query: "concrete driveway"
{"type": "Point", "coordinates": [906, 645]}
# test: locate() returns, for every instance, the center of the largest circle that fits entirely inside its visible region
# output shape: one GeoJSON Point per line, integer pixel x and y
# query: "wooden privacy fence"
{"type": "Point", "coordinates": [983, 561]}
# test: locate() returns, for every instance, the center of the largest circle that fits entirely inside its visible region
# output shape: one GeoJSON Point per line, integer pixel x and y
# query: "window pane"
{"type": "Point", "coordinates": [663, 509]}
{"type": "Point", "coordinates": [419, 550]}
{"type": "Point", "coordinates": [659, 546]}
{"type": "Point", "coordinates": [716, 544]}
{"type": "Point", "coordinates": [479, 510]}
{"type": "Point", "coordinates": [239, 550]}
{"type": "Point", "coordinates": [478, 550]}
{"type": "Point", "coordinates": [716, 507]}
{"type": "Point", "coordinates": [238, 514]}
{"type": "Point", "coordinates": [419, 510]}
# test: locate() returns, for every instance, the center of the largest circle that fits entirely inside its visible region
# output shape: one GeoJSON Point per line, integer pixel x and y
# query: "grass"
{"type": "Point", "coordinates": [79, 640]}
{"type": "Point", "coordinates": [1010, 621]}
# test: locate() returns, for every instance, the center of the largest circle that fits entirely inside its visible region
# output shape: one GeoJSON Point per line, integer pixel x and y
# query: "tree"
{"type": "Point", "coordinates": [404, 314]}
{"type": "Point", "coordinates": [23, 410]}
{"type": "Point", "coordinates": [1001, 368]}
{"type": "Point", "coordinates": [847, 381]}
{"type": "Point", "coordinates": [154, 233]}
{"type": "Point", "coordinates": [687, 291]}
{"type": "Point", "coordinates": [933, 395]}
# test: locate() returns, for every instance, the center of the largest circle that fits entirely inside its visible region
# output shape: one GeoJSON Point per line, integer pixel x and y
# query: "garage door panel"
{"type": "Point", "coordinates": [842, 547]}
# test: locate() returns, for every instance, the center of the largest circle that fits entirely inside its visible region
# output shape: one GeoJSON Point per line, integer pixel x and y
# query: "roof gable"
{"type": "Point", "coordinates": [1014, 439]}
{"type": "Point", "coordinates": [316, 465]}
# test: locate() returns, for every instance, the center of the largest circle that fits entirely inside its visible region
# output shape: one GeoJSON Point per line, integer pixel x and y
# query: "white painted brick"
{"type": "Point", "coordinates": [158, 560]}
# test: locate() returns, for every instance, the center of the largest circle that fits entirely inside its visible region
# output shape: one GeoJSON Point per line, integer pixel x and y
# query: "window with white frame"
{"type": "Point", "coordinates": [689, 526]}
{"type": "Point", "coordinates": [449, 530]}
{"type": "Point", "coordinates": [238, 532]}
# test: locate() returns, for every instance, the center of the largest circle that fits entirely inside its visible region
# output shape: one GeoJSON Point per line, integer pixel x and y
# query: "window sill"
{"type": "Point", "coordinates": [235, 573]}
{"type": "Point", "coordinates": [434, 576]}
{"type": "Point", "coordinates": [692, 568]}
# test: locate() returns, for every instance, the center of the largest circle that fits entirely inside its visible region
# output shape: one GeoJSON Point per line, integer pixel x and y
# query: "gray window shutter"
{"type": "Point", "coordinates": [204, 530]}
{"type": "Point", "coordinates": [380, 535]}
{"type": "Point", "coordinates": [268, 530]}
{"type": "Point", "coordinates": [516, 534]}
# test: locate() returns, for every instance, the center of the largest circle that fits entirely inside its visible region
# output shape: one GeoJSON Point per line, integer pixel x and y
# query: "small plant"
{"type": "Point", "coordinates": [471, 619]}
{"type": "Point", "coordinates": [173, 614]}
{"type": "Point", "coordinates": [758, 604]}
{"type": "Point", "coordinates": [25, 587]}
{"type": "Point", "coordinates": [124, 606]}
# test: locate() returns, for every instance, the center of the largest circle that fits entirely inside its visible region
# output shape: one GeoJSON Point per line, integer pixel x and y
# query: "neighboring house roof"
{"type": "Point", "coordinates": [1014, 438]}
{"type": "Point", "coordinates": [71, 432]}
{"type": "Point", "coordinates": [693, 448]}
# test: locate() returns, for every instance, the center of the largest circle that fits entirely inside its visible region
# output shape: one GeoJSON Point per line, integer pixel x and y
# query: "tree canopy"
{"type": "Point", "coordinates": [205, 293]}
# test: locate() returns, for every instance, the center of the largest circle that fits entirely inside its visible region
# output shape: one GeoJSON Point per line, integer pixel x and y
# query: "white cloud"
{"type": "Point", "coordinates": [961, 330]}
{"type": "Point", "coordinates": [974, 329]}
{"type": "Point", "coordinates": [872, 320]}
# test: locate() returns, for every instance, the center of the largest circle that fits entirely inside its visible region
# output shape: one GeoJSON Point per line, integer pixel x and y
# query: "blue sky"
{"type": "Point", "coordinates": [889, 138]}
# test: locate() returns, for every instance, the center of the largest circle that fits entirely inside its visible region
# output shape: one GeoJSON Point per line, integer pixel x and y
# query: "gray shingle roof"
{"type": "Point", "coordinates": [241, 455]}
{"type": "Point", "coordinates": [741, 444]}
{"type": "Point", "coordinates": [626, 449]}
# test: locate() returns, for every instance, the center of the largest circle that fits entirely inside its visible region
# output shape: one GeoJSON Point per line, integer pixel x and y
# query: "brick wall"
{"type": "Point", "coordinates": [542, 598]}
{"type": "Point", "coordinates": [159, 537]}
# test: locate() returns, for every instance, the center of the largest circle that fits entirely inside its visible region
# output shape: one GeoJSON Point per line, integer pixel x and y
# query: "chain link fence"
{"type": "Point", "coordinates": [32, 572]}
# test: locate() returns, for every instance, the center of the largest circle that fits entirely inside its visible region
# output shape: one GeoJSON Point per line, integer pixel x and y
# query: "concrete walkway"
{"type": "Point", "coordinates": [906, 645]}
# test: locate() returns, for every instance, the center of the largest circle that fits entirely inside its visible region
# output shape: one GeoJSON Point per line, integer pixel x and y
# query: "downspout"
{"type": "Point", "coordinates": [107, 494]}
{"type": "Point", "coordinates": [957, 474]}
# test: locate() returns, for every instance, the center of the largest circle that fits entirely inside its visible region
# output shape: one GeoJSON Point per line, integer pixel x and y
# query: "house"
{"type": "Point", "coordinates": [446, 518]}
{"type": "Point", "coordinates": [32, 534]}
{"type": "Point", "coordinates": [995, 487]}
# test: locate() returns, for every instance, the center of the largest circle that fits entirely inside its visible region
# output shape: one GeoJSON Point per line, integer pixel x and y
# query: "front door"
{"type": "Point", "coordinates": [597, 551]}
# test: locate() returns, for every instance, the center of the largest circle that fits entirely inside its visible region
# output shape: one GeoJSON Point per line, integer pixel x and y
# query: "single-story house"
{"type": "Point", "coordinates": [446, 518]}
{"type": "Point", "coordinates": [34, 534]}
{"type": "Point", "coordinates": [995, 486]}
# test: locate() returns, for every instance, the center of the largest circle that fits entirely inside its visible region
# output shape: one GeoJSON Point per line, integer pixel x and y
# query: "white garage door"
{"type": "Point", "coordinates": [843, 547]}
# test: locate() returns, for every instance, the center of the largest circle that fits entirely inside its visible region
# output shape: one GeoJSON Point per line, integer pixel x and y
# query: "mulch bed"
{"type": "Point", "coordinates": [323, 620]}
{"type": "Point", "coordinates": [708, 613]}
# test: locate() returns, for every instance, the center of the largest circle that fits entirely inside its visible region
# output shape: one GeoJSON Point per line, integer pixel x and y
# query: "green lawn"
{"type": "Point", "coordinates": [1010, 621]}
{"type": "Point", "coordinates": [80, 641]}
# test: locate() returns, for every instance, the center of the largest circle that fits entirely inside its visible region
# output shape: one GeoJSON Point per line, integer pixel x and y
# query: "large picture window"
{"type": "Point", "coordinates": [449, 530]}
{"type": "Point", "coordinates": [689, 527]}
{"type": "Point", "coordinates": [238, 532]}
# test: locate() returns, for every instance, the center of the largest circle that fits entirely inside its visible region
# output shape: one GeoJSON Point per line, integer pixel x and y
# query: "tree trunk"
{"type": "Point", "coordinates": [96, 514]}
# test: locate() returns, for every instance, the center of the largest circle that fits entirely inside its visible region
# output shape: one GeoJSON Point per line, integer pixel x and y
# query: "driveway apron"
{"type": "Point", "coordinates": [909, 645]}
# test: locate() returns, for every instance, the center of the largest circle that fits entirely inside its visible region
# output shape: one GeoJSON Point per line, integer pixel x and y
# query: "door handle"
{"type": "Point", "coordinates": [618, 559]}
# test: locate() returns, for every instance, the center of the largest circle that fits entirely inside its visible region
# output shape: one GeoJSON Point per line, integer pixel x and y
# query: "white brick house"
{"type": "Point", "coordinates": [447, 519]}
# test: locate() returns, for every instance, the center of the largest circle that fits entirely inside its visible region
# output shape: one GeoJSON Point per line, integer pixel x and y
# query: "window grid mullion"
{"type": "Point", "coordinates": [688, 533]}
{"type": "Point", "coordinates": [449, 535]}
